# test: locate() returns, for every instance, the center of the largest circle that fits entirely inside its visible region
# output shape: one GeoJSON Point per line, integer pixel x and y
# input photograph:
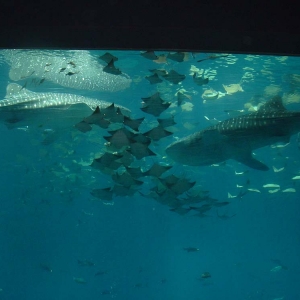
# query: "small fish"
{"type": "Point", "coordinates": [296, 177]}
{"type": "Point", "coordinates": [72, 64]}
{"type": "Point", "coordinates": [62, 69]}
{"type": "Point", "coordinates": [71, 73]}
{"type": "Point", "coordinates": [205, 275]}
{"type": "Point", "coordinates": [41, 81]}
{"type": "Point", "coordinates": [191, 249]}
{"type": "Point", "coordinates": [289, 190]}
{"type": "Point", "coordinates": [100, 273]}
{"type": "Point", "coordinates": [271, 185]}
{"type": "Point", "coordinates": [45, 268]}
{"type": "Point", "coordinates": [79, 280]}
{"type": "Point", "coordinates": [85, 262]}
{"type": "Point", "coordinates": [212, 57]}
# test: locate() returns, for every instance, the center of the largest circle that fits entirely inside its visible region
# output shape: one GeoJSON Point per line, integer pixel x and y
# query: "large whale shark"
{"type": "Point", "coordinates": [74, 69]}
{"type": "Point", "coordinates": [237, 137]}
{"type": "Point", "coordinates": [56, 110]}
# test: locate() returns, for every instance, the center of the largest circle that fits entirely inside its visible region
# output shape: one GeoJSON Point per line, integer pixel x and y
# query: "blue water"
{"type": "Point", "coordinates": [60, 242]}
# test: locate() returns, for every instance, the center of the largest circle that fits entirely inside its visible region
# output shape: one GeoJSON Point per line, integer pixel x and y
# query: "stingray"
{"type": "Point", "coordinates": [123, 191]}
{"type": "Point", "coordinates": [135, 172]}
{"type": "Point", "coordinates": [174, 77]}
{"type": "Point", "coordinates": [133, 123]}
{"type": "Point", "coordinates": [154, 79]}
{"type": "Point", "coordinates": [177, 56]}
{"type": "Point", "coordinates": [213, 56]}
{"type": "Point", "coordinates": [111, 69]}
{"type": "Point", "coordinates": [126, 158]}
{"type": "Point", "coordinates": [140, 150]}
{"type": "Point", "coordinates": [156, 170]}
{"type": "Point", "coordinates": [159, 72]}
{"type": "Point", "coordinates": [181, 186]}
{"type": "Point", "coordinates": [107, 57]}
{"type": "Point", "coordinates": [157, 133]}
{"type": "Point", "coordinates": [96, 118]}
{"type": "Point", "coordinates": [141, 138]}
{"type": "Point", "coordinates": [154, 105]}
{"type": "Point", "coordinates": [200, 80]}
{"type": "Point", "coordinates": [103, 194]}
{"type": "Point", "coordinates": [149, 55]}
{"type": "Point", "coordinates": [181, 97]}
{"type": "Point", "coordinates": [166, 122]}
{"type": "Point", "coordinates": [119, 139]}
{"type": "Point", "coordinates": [108, 161]}
{"type": "Point", "coordinates": [125, 179]}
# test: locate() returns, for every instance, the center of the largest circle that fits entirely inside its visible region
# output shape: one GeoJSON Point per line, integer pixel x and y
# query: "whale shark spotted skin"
{"type": "Point", "coordinates": [236, 138]}
{"type": "Point", "coordinates": [74, 69]}
{"type": "Point", "coordinates": [23, 107]}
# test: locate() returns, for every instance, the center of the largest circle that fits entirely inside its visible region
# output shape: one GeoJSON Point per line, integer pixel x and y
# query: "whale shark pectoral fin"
{"type": "Point", "coordinates": [251, 162]}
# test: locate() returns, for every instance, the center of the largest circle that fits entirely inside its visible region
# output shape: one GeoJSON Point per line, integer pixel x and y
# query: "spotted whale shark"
{"type": "Point", "coordinates": [236, 138]}
{"type": "Point", "coordinates": [56, 110]}
{"type": "Point", "coordinates": [73, 69]}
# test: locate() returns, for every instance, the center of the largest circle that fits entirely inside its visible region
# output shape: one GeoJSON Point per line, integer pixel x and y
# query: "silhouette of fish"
{"type": "Point", "coordinates": [236, 138]}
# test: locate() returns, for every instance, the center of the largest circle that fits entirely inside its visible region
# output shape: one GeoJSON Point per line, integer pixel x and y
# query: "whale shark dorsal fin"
{"type": "Point", "coordinates": [14, 89]}
{"type": "Point", "coordinates": [275, 104]}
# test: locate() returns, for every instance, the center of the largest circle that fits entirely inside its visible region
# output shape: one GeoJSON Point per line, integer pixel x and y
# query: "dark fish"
{"type": "Point", "coordinates": [177, 56]}
{"type": "Point", "coordinates": [140, 150]}
{"type": "Point", "coordinates": [72, 64]}
{"type": "Point", "coordinates": [133, 123]}
{"type": "Point", "coordinates": [123, 191]}
{"type": "Point", "coordinates": [107, 57]}
{"type": "Point", "coordinates": [213, 56]}
{"type": "Point", "coordinates": [45, 267]}
{"type": "Point", "coordinates": [166, 122]}
{"type": "Point", "coordinates": [135, 172]}
{"type": "Point", "coordinates": [119, 139]}
{"type": "Point", "coordinates": [111, 69]}
{"type": "Point", "coordinates": [41, 81]}
{"type": "Point", "coordinates": [154, 105]}
{"type": "Point", "coordinates": [205, 275]}
{"type": "Point", "coordinates": [191, 249]}
{"type": "Point", "coordinates": [71, 73]}
{"type": "Point", "coordinates": [96, 118]}
{"type": "Point", "coordinates": [174, 77]}
{"type": "Point", "coordinates": [159, 72]}
{"type": "Point", "coordinates": [181, 97]}
{"type": "Point", "coordinates": [156, 170]}
{"type": "Point", "coordinates": [149, 55]}
{"type": "Point", "coordinates": [100, 273]}
{"type": "Point", "coordinates": [125, 179]}
{"type": "Point", "coordinates": [85, 263]}
{"type": "Point", "coordinates": [107, 162]}
{"type": "Point", "coordinates": [62, 69]}
{"type": "Point", "coordinates": [102, 194]}
{"type": "Point", "coordinates": [200, 80]}
{"type": "Point", "coordinates": [157, 133]}
{"type": "Point", "coordinates": [154, 79]}
{"type": "Point", "coordinates": [79, 280]}
{"type": "Point", "coordinates": [236, 138]}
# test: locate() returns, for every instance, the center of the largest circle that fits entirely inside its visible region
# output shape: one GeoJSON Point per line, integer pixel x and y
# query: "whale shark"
{"type": "Point", "coordinates": [22, 107]}
{"type": "Point", "coordinates": [73, 69]}
{"type": "Point", "coordinates": [236, 138]}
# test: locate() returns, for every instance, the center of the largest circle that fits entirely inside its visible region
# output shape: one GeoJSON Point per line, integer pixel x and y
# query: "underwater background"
{"type": "Point", "coordinates": [61, 240]}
